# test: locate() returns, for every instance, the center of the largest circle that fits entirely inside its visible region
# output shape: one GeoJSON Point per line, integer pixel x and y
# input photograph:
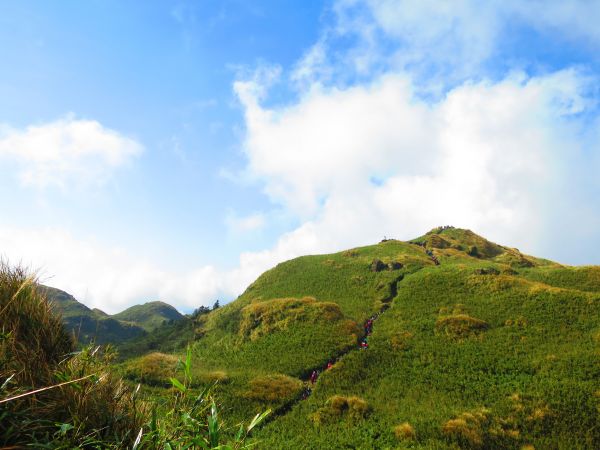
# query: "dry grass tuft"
{"type": "Point", "coordinates": [273, 388]}
{"type": "Point", "coordinates": [154, 369]}
{"type": "Point", "coordinates": [519, 322]}
{"type": "Point", "coordinates": [468, 428]}
{"type": "Point", "coordinates": [262, 318]}
{"type": "Point", "coordinates": [460, 326]}
{"type": "Point", "coordinates": [339, 407]}
{"type": "Point", "coordinates": [405, 432]}
{"type": "Point", "coordinates": [401, 340]}
{"type": "Point", "coordinates": [215, 376]}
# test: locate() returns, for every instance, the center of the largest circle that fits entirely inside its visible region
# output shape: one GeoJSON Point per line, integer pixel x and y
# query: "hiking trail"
{"type": "Point", "coordinates": [311, 376]}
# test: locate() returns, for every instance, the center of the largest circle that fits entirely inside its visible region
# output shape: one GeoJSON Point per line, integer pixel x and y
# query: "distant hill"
{"type": "Point", "coordinates": [95, 325]}
{"type": "Point", "coordinates": [473, 345]}
{"type": "Point", "coordinates": [150, 315]}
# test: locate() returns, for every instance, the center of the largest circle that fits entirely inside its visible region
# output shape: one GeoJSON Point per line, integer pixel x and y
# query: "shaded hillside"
{"type": "Point", "coordinates": [474, 345]}
{"type": "Point", "coordinates": [95, 325]}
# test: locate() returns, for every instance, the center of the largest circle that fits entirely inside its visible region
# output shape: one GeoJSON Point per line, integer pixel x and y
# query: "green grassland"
{"type": "Point", "coordinates": [489, 349]}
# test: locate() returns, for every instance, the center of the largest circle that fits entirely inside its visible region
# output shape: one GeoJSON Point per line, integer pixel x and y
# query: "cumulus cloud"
{"type": "Point", "coordinates": [67, 152]}
{"type": "Point", "coordinates": [374, 160]}
{"type": "Point", "coordinates": [452, 41]}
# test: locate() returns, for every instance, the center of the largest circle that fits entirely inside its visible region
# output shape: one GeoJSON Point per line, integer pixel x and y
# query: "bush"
{"type": "Point", "coordinates": [405, 432]}
{"type": "Point", "coordinates": [378, 265]}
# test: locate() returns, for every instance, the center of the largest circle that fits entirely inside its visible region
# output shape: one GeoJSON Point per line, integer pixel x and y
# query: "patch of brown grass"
{"type": "Point", "coordinates": [265, 317]}
{"type": "Point", "coordinates": [460, 326]}
{"type": "Point", "coordinates": [215, 376]}
{"type": "Point", "coordinates": [339, 407]}
{"type": "Point", "coordinates": [468, 428]}
{"type": "Point", "coordinates": [519, 322]}
{"type": "Point", "coordinates": [401, 340]}
{"type": "Point", "coordinates": [153, 369]}
{"type": "Point", "coordinates": [273, 388]}
{"type": "Point", "coordinates": [405, 432]}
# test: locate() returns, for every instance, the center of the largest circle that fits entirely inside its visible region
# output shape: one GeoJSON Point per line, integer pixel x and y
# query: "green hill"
{"type": "Point", "coordinates": [473, 345]}
{"type": "Point", "coordinates": [95, 325]}
{"type": "Point", "coordinates": [150, 315]}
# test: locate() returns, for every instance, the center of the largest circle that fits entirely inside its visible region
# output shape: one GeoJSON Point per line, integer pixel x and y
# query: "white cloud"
{"type": "Point", "coordinates": [67, 152]}
{"type": "Point", "coordinates": [451, 40]}
{"type": "Point", "coordinates": [486, 156]}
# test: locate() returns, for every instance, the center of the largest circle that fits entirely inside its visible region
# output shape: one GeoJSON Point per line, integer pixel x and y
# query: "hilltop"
{"type": "Point", "coordinates": [473, 345]}
{"type": "Point", "coordinates": [150, 315]}
{"type": "Point", "coordinates": [95, 325]}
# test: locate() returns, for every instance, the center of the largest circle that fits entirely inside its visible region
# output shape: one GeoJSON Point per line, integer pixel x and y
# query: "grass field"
{"type": "Point", "coordinates": [489, 349]}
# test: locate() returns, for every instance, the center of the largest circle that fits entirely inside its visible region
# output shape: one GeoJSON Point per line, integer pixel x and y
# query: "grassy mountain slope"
{"type": "Point", "coordinates": [95, 325]}
{"type": "Point", "coordinates": [489, 349]}
{"type": "Point", "coordinates": [87, 324]}
{"type": "Point", "coordinates": [150, 315]}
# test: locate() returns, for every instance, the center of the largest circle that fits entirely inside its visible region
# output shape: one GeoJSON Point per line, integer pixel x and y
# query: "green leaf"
{"type": "Point", "coordinates": [213, 426]}
{"type": "Point", "coordinates": [188, 363]}
{"type": "Point", "coordinates": [240, 433]}
{"type": "Point", "coordinates": [137, 439]}
{"type": "Point", "coordinates": [64, 427]}
{"type": "Point", "coordinates": [177, 384]}
{"type": "Point", "coordinates": [257, 420]}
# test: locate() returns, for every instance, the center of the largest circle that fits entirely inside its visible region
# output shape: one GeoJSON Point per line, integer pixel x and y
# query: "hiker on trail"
{"type": "Point", "coordinates": [306, 393]}
{"type": "Point", "coordinates": [329, 365]}
{"type": "Point", "coordinates": [313, 376]}
{"type": "Point", "coordinates": [364, 344]}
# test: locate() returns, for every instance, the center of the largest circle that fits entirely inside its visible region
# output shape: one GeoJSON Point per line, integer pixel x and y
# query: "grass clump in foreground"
{"type": "Point", "coordinates": [53, 397]}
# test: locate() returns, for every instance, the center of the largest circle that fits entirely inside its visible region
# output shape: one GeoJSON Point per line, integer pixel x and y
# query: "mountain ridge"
{"type": "Point", "coordinates": [94, 325]}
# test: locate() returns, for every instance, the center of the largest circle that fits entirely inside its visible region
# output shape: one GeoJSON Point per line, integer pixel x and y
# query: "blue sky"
{"type": "Point", "coordinates": [175, 150]}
